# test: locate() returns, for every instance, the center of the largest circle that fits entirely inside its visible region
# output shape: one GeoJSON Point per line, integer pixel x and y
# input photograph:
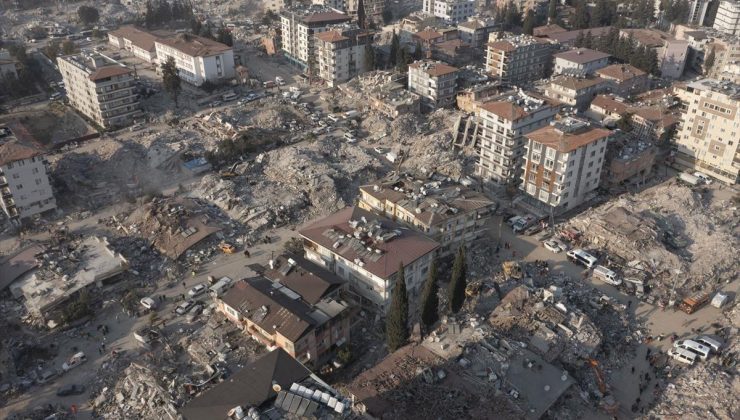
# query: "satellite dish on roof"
{"type": "Point", "coordinates": [276, 387]}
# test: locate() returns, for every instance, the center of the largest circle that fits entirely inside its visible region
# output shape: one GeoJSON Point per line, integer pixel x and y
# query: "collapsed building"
{"type": "Point", "coordinates": [65, 272]}
{"type": "Point", "coordinates": [450, 213]}
{"type": "Point", "coordinates": [383, 92]}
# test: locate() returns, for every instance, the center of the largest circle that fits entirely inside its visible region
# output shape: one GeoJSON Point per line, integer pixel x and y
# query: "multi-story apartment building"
{"type": "Point", "coordinates": [373, 8]}
{"type": "Point", "coordinates": [101, 89]}
{"type": "Point", "coordinates": [340, 53]}
{"type": "Point", "coordinates": [434, 82]}
{"type": "Point", "coordinates": [518, 59]}
{"type": "Point", "coordinates": [24, 183]}
{"type": "Point", "coordinates": [726, 58]}
{"type": "Point", "coordinates": [697, 12]}
{"type": "Point", "coordinates": [475, 31]}
{"type": "Point", "coordinates": [451, 214]}
{"type": "Point", "coordinates": [580, 62]}
{"type": "Point", "coordinates": [502, 124]}
{"type": "Point", "coordinates": [709, 131]}
{"type": "Point", "coordinates": [624, 80]}
{"type": "Point", "coordinates": [299, 27]}
{"type": "Point", "coordinates": [449, 10]}
{"type": "Point", "coordinates": [367, 250]}
{"type": "Point", "coordinates": [308, 327]}
{"type": "Point", "coordinates": [197, 59]}
{"type": "Point", "coordinates": [728, 17]}
{"type": "Point", "coordinates": [577, 92]}
{"type": "Point", "coordinates": [562, 164]}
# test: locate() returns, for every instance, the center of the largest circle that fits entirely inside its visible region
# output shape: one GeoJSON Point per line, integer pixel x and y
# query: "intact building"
{"type": "Point", "coordinates": [435, 82]}
{"type": "Point", "coordinates": [475, 31]}
{"type": "Point", "coordinates": [577, 92]}
{"type": "Point", "coordinates": [580, 61]}
{"type": "Point", "coordinates": [340, 53]}
{"type": "Point", "coordinates": [308, 324]}
{"type": "Point", "coordinates": [728, 17]}
{"type": "Point", "coordinates": [624, 80]}
{"type": "Point", "coordinates": [367, 250]}
{"type": "Point", "coordinates": [697, 12]}
{"type": "Point", "coordinates": [451, 214]}
{"type": "Point", "coordinates": [502, 124]}
{"type": "Point", "coordinates": [101, 89]}
{"type": "Point", "coordinates": [518, 59]}
{"type": "Point", "coordinates": [450, 10]}
{"type": "Point", "coordinates": [299, 27]}
{"type": "Point", "coordinates": [562, 163]}
{"type": "Point", "coordinates": [197, 59]}
{"type": "Point", "coordinates": [25, 189]}
{"type": "Point", "coordinates": [708, 136]}
{"type": "Point", "coordinates": [140, 43]}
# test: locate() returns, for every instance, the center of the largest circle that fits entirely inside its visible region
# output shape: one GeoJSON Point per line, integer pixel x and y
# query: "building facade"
{"type": "Point", "coordinates": [340, 53]}
{"type": "Point", "coordinates": [475, 31]}
{"type": "Point", "coordinates": [367, 250]}
{"type": "Point", "coordinates": [140, 43]}
{"type": "Point", "coordinates": [577, 92]}
{"type": "Point", "coordinates": [728, 17]}
{"type": "Point", "coordinates": [624, 80]}
{"type": "Point", "coordinates": [697, 12]}
{"type": "Point", "coordinates": [450, 10]}
{"type": "Point", "coordinates": [708, 134]}
{"type": "Point", "coordinates": [100, 89]}
{"type": "Point", "coordinates": [300, 27]}
{"type": "Point", "coordinates": [518, 59]}
{"type": "Point", "coordinates": [451, 214]}
{"type": "Point", "coordinates": [502, 124]}
{"type": "Point", "coordinates": [198, 59]}
{"type": "Point", "coordinates": [25, 189]}
{"type": "Point", "coordinates": [580, 61]}
{"type": "Point", "coordinates": [434, 82]}
{"type": "Point", "coordinates": [562, 164]}
{"type": "Point", "coordinates": [726, 59]}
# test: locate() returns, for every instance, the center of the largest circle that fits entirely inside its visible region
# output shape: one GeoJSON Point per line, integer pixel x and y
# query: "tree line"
{"type": "Point", "coordinates": [160, 12]}
{"type": "Point", "coordinates": [623, 48]}
{"type": "Point", "coordinates": [29, 73]}
{"type": "Point", "coordinates": [397, 319]}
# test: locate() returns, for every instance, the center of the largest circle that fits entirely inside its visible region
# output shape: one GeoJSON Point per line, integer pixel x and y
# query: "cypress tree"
{"type": "Point", "coordinates": [397, 321]}
{"type": "Point", "coordinates": [429, 298]}
{"type": "Point", "coordinates": [709, 61]}
{"type": "Point", "coordinates": [369, 57]}
{"type": "Point", "coordinates": [529, 22]}
{"type": "Point", "coordinates": [580, 18]}
{"type": "Point", "coordinates": [456, 291]}
{"type": "Point", "coordinates": [395, 46]}
{"type": "Point", "coordinates": [552, 11]}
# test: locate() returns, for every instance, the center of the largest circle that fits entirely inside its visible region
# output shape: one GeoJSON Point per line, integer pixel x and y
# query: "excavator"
{"type": "Point", "coordinates": [230, 173]}
{"type": "Point", "coordinates": [608, 403]}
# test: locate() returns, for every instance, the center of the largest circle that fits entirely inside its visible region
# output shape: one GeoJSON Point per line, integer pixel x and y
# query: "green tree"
{"type": "Point", "coordinates": [552, 11]}
{"type": "Point", "coordinates": [580, 40]}
{"type": "Point", "coordinates": [588, 40]}
{"type": "Point", "coordinates": [370, 57]}
{"type": "Point", "coordinates": [580, 15]}
{"type": "Point", "coordinates": [709, 61]}
{"type": "Point", "coordinates": [529, 21]}
{"type": "Point", "coordinates": [403, 60]}
{"type": "Point", "coordinates": [397, 321]}
{"type": "Point", "coordinates": [418, 52]}
{"type": "Point", "coordinates": [429, 298]}
{"type": "Point", "coordinates": [52, 50]}
{"type": "Point", "coordinates": [512, 16]}
{"type": "Point", "coordinates": [458, 282]}
{"type": "Point", "coordinates": [68, 47]}
{"type": "Point", "coordinates": [88, 15]}
{"type": "Point", "coordinates": [170, 79]}
{"type": "Point", "coordinates": [624, 122]}
{"type": "Point", "coordinates": [395, 49]}
{"type": "Point", "coordinates": [361, 17]}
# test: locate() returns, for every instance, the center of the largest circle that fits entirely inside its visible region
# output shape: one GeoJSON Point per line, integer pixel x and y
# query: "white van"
{"type": "Point", "coordinates": [704, 177]}
{"type": "Point", "coordinates": [699, 349]}
{"type": "Point", "coordinates": [710, 342]}
{"type": "Point", "coordinates": [582, 257]}
{"type": "Point", "coordinates": [682, 355]}
{"type": "Point", "coordinates": [220, 287]}
{"type": "Point", "coordinates": [607, 275]}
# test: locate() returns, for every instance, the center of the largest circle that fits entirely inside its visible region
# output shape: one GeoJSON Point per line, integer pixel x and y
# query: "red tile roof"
{"type": "Point", "coordinates": [331, 36]}
{"type": "Point", "coordinates": [328, 17]}
{"type": "Point", "coordinates": [433, 69]}
{"type": "Point", "coordinates": [567, 142]}
{"type": "Point", "coordinates": [18, 146]}
{"type": "Point", "coordinates": [194, 46]}
{"type": "Point", "coordinates": [620, 72]}
{"type": "Point", "coordinates": [582, 55]}
{"type": "Point", "coordinates": [140, 38]}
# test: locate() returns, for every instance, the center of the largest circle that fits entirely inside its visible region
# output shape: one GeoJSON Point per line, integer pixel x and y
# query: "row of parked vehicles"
{"type": "Point", "coordinates": [688, 351]}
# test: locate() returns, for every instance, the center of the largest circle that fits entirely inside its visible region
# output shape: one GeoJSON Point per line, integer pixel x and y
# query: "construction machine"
{"type": "Point", "coordinates": [607, 403]}
{"type": "Point", "coordinates": [512, 270]}
{"type": "Point", "coordinates": [227, 248]}
{"type": "Point", "coordinates": [230, 173]}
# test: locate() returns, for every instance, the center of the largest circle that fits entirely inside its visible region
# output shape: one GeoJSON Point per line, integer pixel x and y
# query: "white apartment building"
{"type": "Point", "coordinates": [101, 89]}
{"type": "Point", "coordinates": [726, 58]}
{"type": "Point", "coordinates": [435, 82]}
{"type": "Point", "coordinates": [25, 189]}
{"type": "Point", "coordinates": [580, 62]}
{"type": "Point", "coordinates": [709, 131]}
{"type": "Point", "coordinates": [366, 250]}
{"type": "Point", "coordinates": [140, 43]}
{"type": "Point", "coordinates": [299, 27]}
{"type": "Point", "coordinates": [450, 10]}
{"type": "Point", "coordinates": [697, 12]}
{"type": "Point", "coordinates": [340, 53]}
{"type": "Point", "coordinates": [502, 124]}
{"type": "Point", "coordinates": [518, 59]}
{"type": "Point", "coordinates": [197, 59]}
{"type": "Point", "coordinates": [562, 164]}
{"type": "Point", "coordinates": [728, 17]}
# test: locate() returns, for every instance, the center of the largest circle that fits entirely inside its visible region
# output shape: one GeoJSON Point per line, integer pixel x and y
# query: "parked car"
{"type": "Point", "coordinates": [74, 361]}
{"type": "Point", "coordinates": [553, 245]}
{"type": "Point", "coordinates": [184, 307]}
{"type": "Point", "coordinates": [48, 376]}
{"type": "Point", "coordinates": [194, 312]}
{"type": "Point", "coordinates": [149, 303]}
{"type": "Point", "coordinates": [520, 225]}
{"type": "Point", "coordinates": [73, 389]}
{"type": "Point", "coordinates": [711, 342]}
{"type": "Point", "coordinates": [703, 177]}
{"type": "Point", "coordinates": [535, 228]}
{"type": "Point", "coordinates": [699, 349]}
{"type": "Point", "coordinates": [197, 290]}
{"type": "Point", "coordinates": [683, 356]}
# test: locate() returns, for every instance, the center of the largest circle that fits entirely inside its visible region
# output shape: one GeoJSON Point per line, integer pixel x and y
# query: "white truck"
{"type": "Point", "coordinates": [689, 179]}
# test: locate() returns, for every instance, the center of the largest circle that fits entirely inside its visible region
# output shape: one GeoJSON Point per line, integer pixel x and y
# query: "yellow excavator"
{"type": "Point", "coordinates": [512, 270]}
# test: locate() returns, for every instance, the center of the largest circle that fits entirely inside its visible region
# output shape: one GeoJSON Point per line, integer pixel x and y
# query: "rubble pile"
{"type": "Point", "coordinates": [670, 232]}
{"type": "Point", "coordinates": [220, 340]}
{"type": "Point", "coordinates": [292, 184]}
{"type": "Point", "coordinates": [704, 391]}
{"type": "Point", "coordinates": [137, 395]}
